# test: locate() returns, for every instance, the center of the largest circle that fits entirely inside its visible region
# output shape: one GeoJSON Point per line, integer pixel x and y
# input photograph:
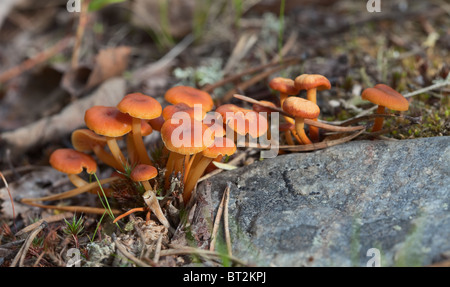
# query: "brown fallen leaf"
{"type": "Point", "coordinates": [109, 63]}
{"type": "Point", "coordinates": [70, 118]}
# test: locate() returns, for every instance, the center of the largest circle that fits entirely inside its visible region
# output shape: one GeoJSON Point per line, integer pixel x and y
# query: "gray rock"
{"type": "Point", "coordinates": [329, 207]}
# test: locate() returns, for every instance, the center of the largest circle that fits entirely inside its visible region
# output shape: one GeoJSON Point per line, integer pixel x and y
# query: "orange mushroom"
{"type": "Point", "coordinates": [301, 109]}
{"type": "Point", "coordinates": [171, 110]}
{"type": "Point", "coordinates": [143, 173]}
{"type": "Point", "coordinates": [111, 123]}
{"type": "Point", "coordinates": [140, 106]}
{"type": "Point", "coordinates": [220, 147]}
{"type": "Point", "coordinates": [72, 162]}
{"type": "Point", "coordinates": [243, 121]}
{"type": "Point", "coordinates": [385, 97]}
{"type": "Point", "coordinates": [285, 86]}
{"type": "Point", "coordinates": [189, 96]}
{"type": "Point", "coordinates": [183, 137]}
{"type": "Point", "coordinates": [85, 140]}
{"type": "Point", "coordinates": [312, 83]}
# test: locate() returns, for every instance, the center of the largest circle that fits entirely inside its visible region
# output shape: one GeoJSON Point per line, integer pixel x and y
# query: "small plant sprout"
{"type": "Point", "coordinates": [74, 228]}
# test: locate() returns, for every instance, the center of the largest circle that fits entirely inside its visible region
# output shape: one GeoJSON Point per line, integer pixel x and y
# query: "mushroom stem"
{"type": "Point", "coordinates": [288, 137]}
{"type": "Point", "coordinates": [72, 192]}
{"type": "Point", "coordinates": [311, 95]}
{"type": "Point", "coordinates": [194, 175]}
{"type": "Point", "coordinates": [105, 157]}
{"type": "Point", "coordinates": [299, 127]}
{"type": "Point", "coordinates": [173, 164]}
{"type": "Point", "coordinates": [139, 143]}
{"type": "Point", "coordinates": [151, 201]}
{"type": "Point", "coordinates": [132, 156]}
{"type": "Point", "coordinates": [378, 121]}
{"type": "Point", "coordinates": [76, 180]}
{"type": "Point", "coordinates": [283, 97]}
{"type": "Point", "coordinates": [116, 152]}
{"type": "Point", "coordinates": [133, 210]}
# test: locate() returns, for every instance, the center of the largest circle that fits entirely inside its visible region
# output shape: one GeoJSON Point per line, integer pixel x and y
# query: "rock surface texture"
{"type": "Point", "coordinates": [329, 207]}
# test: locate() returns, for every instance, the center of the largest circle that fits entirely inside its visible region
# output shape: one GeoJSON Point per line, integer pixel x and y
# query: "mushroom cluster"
{"type": "Point", "coordinates": [193, 136]}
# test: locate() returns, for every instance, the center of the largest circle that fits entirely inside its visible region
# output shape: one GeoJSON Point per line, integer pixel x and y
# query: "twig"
{"type": "Point", "coordinates": [217, 171]}
{"type": "Point", "coordinates": [20, 257]}
{"type": "Point", "coordinates": [143, 73]}
{"type": "Point", "coordinates": [84, 209]}
{"type": "Point", "coordinates": [217, 222]}
{"type": "Point", "coordinates": [10, 197]}
{"type": "Point", "coordinates": [48, 219]}
{"type": "Point", "coordinates": [225, 219]}
{"type": "Point", "coordinates": [130, 256]}
{"type": "Point", "coordinates": [307, 121]}
{"type": "Point", "coordinates": [185, 250]}
{"type": "Point", "coordinates": [210, 88]}
{"type": "Point", "coordinates": [158, 249]}
{"type": "Point", "coordinates": [30, 63]}
{"type": "Point", "coordinates": [247, 84]}
{"type": "Point", "coordinates": [80, 32]}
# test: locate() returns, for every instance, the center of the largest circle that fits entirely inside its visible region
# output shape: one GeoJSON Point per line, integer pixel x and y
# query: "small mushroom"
{"type": "Point", "coordinates": [85, 140]}
{"type": "Point", "coordinates": [301, 109]}
{"type": "Point", "coordinates": [143, 173]}
{"type": "Point", "coordinates": [193, 112]}
{"type": "Point", "coordinates": [111, 123]}
{"type": "Point", "coordinates": [220, 147]}
{"type": "Point", "coordinates": [189, 96]}
{"type": "Point", "coordinates": [72, 162]}
{"type": "Point", "coordinates": [183, 138]}
{"type": "Point", "coordinates": [285, 86]}
{"type": "Point", "coordinates": [312, 83]}
{"type": "Point", "coordinates": [385, 97]}
{"type": "Point", "coordinates": [140, 106]}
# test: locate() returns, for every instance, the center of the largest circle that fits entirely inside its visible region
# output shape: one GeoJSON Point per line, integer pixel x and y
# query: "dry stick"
{"type": "Point", "coordinates": [414, 120]}
{"type": "Point", "coordinates": [130, 256]}
{"type": "Point", "coordinates": [247, 84]}
{"type": "Point", "coordinates": [72, 192]}
{"type": "Point", "coordinates": [314, 146]}
{"type": "Point", "coordinates": [10, 197]}
{"type": "Point", "coordinates": [408, 95]}
{"type": "Point", "coordinates": [307, 121]}
{"type": "Point", "coordinates": [30, 63]}
{"type": "Point", "coordinates": [225, 219]}
{"type": "Point", "coordinates": [20, 257]}
{"type": "Point", "coordinates": [80, 32]}
{"type": "Point", "coordinates": [210, 88]}
{"type": "Point", "coordinates": [85, 209]}
{"type": "Point", "coordinates": [185, 250]}
{"type": "Point", "coordinates": [217, 171]}
{"type": "Point", "coordinates": [217, 222]}
{"type": "Point", "coordinates": [48, 219]}
{"type": "Point", "coordinates": [158, 249]}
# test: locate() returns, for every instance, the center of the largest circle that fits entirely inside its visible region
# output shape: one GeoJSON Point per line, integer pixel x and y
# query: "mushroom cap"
{"type": "Point", "coordinates": [157, 123]}
{"type": "Point", "coordinates": [311, 81]}
{"type": "Point", "coordinates": [146, 128]}
{"type": "Point", "coordinates": [140, 106]}
{"type": "Point", "coordinates": [71, 161]}
{"type": "Point", "coordinates": [186, 137]}
{"type": "Point", "coordinates": [284, 85]}
{"type": "Point", "coordinates": [243, 121]}
{"type": "Point", "coordinates": [190, 96]}
{"type": "Point", "coordinates": [286, 127]}
{"type": "Point", "coordinates": [143, 172]}
{"type": "Point", "coordinates": [107, 121]}
{"type": "Point", "coordinates": [172, 110]}
{"type": "Point", "coordinates": [84, 140]}
{"type": "Point", "coordinates": [221, 146]}
{"type": "Point", "coordinates": [299, 107]}
{"type": "Point", "coordinates": [215, 124]}
{"type": "Point", "coordinates": [386, 96]}
{"type": "Point", "coordinates": [260, 109]}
